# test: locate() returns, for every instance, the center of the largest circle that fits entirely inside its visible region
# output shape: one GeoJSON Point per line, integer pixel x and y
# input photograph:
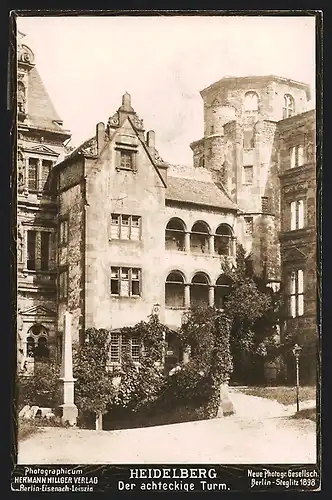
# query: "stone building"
{"type": "Point", "coordinates": [298, 233]}
{"type": "Point", "coordinates": [40, 145]}
{"type": "Point", "coordinates": [113, 231]}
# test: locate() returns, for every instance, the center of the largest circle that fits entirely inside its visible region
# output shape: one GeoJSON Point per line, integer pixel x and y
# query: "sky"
{"type": "Point", "coordinates": [87, 63]}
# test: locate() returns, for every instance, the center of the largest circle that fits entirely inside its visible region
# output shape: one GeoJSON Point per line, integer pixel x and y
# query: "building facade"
{"type": "Point", "coordinates": [298, 234]}
{"type": "Point", "coordinates": [127, 233]}
{"type": "Point", "coordinates": [40, 145]}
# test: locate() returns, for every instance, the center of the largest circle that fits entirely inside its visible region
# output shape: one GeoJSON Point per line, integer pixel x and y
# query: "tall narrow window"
{"type": "Point", "coordinates": [248, 138]}
{"type": "Point", "coordinates": [296, 290]}
{"type": "Point", "coordinates": [248, 174]}
{"type": "Point", "coordinates": [31, 262]}
{"type": "Point", "coordinates": [289, 107]}
{"type": "Point", "coordinates": [45, 250]}
{"type": "Point", "coordinates": [296, 155]}
{"type": "Point", "coordinates": [45, 172]}
{"type": "Point", "coordinates": [300, 156]}
{"type": "Point", "coordinates": [251, 103]}
{"type": "Point", "coordinates": [297, 215]}
{"type": "Point", "coordinates": [249, 225]}
{"type": "Point", "coordinates": [115, 348]}
{"type": "Point", "coordinates": [63, 285]}
{"type": "Point", "coordinates": [265, 204]}
{"type": "Point", "coordinates": [33, 174]}
{"type": "Point", "coordinates": [63, 232]}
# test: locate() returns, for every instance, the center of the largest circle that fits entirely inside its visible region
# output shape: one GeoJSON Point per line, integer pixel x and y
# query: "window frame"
{"type": "Point", "coordinates": [288, 110]}
{"type": "Point", "coordinates": [294, 156]}
{"type": "Point", "coordinates": [121, 278]}
{"type": "Point", "coordinates": [121, 343]}
{"type": "Point", "coordinates": [245, 170]}
{"type": "Point", "coordinates": [295, 296]}
{"type": "Point", "coordinates": [120, 225]}
{"type": "Point", "coordinates": [63, 290]}
{"type": "Point", "coordinates": [38, 260]}
{"type": "Point", "coordinates": [297, 219]}
{"type": "Point", "coordinates": [63, 234]}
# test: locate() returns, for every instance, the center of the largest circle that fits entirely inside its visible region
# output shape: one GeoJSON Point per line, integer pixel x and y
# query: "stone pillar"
{"type": "Point", "coordinates": [226, 406]}
{"type": "Point", "coordinates": [186, 355]}
{"type": "Point", "coordinates": [187, 296]}
{"type": "Point", "coordinates": [211, 296]}
{"type": "Point", "coordinates": [211, 244]}
{"type": "Point", "coordinates": [187, 242]}
{"type": "Point", "coordinates": [68, 409]}
{"type": "Point", "coordinates": [38, 251]}
{"type": "Point", "coordinates": [40, 175]}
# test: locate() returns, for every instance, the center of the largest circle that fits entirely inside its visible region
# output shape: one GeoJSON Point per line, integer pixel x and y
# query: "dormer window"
{"type": "Point", "coordinates": [289, 106]}
{"type": "Point", "coordinates": [251, 103]}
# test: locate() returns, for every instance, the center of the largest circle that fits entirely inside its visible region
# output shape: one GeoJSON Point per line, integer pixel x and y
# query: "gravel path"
{"type": "Point", "coordinates": [260, 432]}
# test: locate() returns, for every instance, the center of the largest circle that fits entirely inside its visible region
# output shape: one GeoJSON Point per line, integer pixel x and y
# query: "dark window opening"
{"type": "Point", "coordinates": [199, 238]}
{"type": "Point", "coordinates": [174, 290]}
{"type": "Point", "coordinates": [33, 174]}
{"type": "Point", "coordinates": [31, 263]}
{"type": "Point", "coordinates": [46, 170]}
{"type": "Point", "coordinates": [223, 240]}
{"type": "Point", "coordinates": [199, 291]}
{"type": "Point", "coordinates": [45, 247]}
{"type": "Point", "coordinates": [222, 290]}
{"type": "Point", "coordinates": [175, 235]}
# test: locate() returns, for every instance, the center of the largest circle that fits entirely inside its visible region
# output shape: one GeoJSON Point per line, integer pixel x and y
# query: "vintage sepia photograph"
{"type": "Point", "coordinates": [167, 269]}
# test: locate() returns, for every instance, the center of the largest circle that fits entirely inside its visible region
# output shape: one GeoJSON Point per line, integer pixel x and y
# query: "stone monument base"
{"type": "Point", "coordinates": [225, 406]}
{"type": "Point", "coordinates": [68, 414]}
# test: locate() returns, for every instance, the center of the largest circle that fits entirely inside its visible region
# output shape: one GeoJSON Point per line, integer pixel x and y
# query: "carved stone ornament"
{"type": "Point", "coordinates": [295, 188]}
{"type": "Point", "coordinates": [138, 122]}
{"type": "Point", "coordinates": [20, 170]}
{"type": "Point", "coordinates": [310, 151]}
{"type": "Point", "coordinates": [113, 120]}
{"type": "Point", "coordinates": [25, 54]}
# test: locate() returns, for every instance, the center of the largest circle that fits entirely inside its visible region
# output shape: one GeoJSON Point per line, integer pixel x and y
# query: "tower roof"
{"type": "Point", "coordinates": [245, 80]}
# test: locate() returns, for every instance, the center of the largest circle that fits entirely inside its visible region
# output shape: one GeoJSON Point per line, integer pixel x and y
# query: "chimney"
{"type": "Point", "coordinates": [100, 136]}
{"type": "Point", "coordinates": [126, 102]}
{"type": "Point", "coordinates": [150, 139]}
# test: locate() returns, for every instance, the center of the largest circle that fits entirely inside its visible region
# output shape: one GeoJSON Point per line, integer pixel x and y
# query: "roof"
{"type": "Point", "coordinates": [198, 192]}
{"type": "Point", "coordinates": [244, 79]}
{"type": "Point", "coordinates": [41, 112]}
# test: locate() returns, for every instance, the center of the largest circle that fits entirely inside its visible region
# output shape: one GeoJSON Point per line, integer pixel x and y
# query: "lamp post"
{"type": "Point", "coordinates": [297, 351]}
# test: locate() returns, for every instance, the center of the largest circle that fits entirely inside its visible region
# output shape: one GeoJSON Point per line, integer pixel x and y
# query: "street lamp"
{"type": "Point", "coordinates": [297, 351]}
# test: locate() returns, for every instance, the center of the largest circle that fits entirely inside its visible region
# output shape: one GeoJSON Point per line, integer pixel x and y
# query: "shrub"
{"type": "Point", "coordinates": [41, 388]}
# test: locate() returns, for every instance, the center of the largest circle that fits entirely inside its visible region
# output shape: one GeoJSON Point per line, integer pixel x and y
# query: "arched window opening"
{"type": "Point", "coordinates": [223, 240]}
{"type": "Point", "coordinates": [199, 238]}
{"type": "Point", "coordinates": [174, 290]}
{"type": "Point", "coordinates": [30, 347]}
{"type": "Point", "coordinates": [289, 106]}
{"type": "Point", "coordinates": [21, 98]}
{"type": "Point", "coordinates": [251, 103]}
{"type": "Point", "coordinates": [199, 290]}
{"type": "Point", "coordinates": [37, 342]}
{"type": "Point", "coordinates": [174, 235]}
{"type": "Point", "coordinates": [222, 289]}
{"type": "Point", "coordinates": [41, 351]}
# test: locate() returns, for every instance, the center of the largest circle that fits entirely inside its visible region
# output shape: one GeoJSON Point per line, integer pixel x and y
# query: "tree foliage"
{"type": "Point", "coordinates": [41, 388]}
{"type": "Point", "coordinates": [93, 388]}
{"type": "Point", "coordinates": [254, 309]}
